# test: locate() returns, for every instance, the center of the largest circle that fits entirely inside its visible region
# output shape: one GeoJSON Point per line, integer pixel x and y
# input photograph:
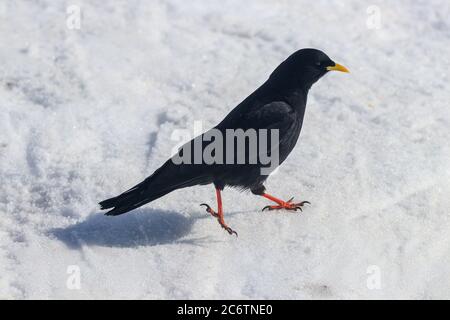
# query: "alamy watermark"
{"type": "Point", "coordinates": [73, 281]}
{"type": "Point", "coordinates": [73, 20]}
{"type": "Point", "coordinates": [228, 146]}
{"type": "Point", "coordinates": [373, 21]}
{"type": "Point", "coordinates": [374, 277]}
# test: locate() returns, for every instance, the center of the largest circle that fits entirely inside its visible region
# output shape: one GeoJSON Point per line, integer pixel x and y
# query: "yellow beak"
{"type": "Point", "coordinates": [338, 67]}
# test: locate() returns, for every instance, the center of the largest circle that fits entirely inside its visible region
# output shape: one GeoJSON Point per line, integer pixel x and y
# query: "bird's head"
{"type": "Point", "coordinates": [304, 67]}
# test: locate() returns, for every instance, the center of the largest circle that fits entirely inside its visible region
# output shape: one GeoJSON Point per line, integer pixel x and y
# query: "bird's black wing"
{"type": "Point", "coordinates": [278, 115]}
{"type": "Point", "coordinates": [275, 115]}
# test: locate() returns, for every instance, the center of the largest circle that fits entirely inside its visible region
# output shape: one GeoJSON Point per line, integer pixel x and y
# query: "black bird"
{"type": "Point", "coordinates": [279, 104]}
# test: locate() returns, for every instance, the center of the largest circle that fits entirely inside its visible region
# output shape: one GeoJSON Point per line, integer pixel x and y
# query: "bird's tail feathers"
{"type": "Point", "coordinates": [137, 196]}
{"type": "Point", "coordinates": [157, 185]}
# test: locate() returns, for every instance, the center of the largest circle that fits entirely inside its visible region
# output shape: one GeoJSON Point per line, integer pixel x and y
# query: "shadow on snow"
{"type": "Point", "coordinates": [143, 227]}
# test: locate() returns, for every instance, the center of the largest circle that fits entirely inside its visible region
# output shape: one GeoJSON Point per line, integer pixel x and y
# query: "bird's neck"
{"type": "Point", "coordinates": [290, 91]}
{"type": "Point", "coordinates": [297, 98]}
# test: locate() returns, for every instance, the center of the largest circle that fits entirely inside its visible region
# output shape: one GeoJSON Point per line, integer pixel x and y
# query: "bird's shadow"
{"type": "Point", "coordinates": [145, 227]}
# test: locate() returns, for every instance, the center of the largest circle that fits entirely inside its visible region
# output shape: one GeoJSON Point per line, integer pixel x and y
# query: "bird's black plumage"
{"type": "Point", "coordinates": [279, 103]}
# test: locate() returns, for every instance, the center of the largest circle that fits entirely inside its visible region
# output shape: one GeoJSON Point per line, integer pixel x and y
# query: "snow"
{"type": "Point", "coordinates": [87, 113]}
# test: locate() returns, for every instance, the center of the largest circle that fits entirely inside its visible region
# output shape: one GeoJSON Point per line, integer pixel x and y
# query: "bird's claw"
{"type": "Point", "coordinates": [288, 205]}
{"type": "Point", "coordinates": [216, 215]}
{"type": "Point", "coordinates": [210, 210]}
{"type": "Point", "coordinates": [229, 230]}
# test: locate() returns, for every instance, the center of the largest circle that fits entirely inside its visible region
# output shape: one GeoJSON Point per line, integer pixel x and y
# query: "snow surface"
{"type": "Point", "coordinates": [86, 114]}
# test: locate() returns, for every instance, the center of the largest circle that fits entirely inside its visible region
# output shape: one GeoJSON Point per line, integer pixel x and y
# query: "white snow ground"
{"type": "Point", "coordinates": [87, 113]}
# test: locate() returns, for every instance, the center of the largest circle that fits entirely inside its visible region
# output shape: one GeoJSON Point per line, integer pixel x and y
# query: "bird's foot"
{"type": "Point", "coordinates": [219, 218]}
{"type": "Point", "coordinates": [287, 205]}
{"type": "Point", "coordinates": [210, 210]}
{"type": "Point", "coordinates": [227, 228]}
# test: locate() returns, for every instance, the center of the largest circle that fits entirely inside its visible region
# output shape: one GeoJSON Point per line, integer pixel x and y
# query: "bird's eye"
{"type": "Point", "coordinates": [318, 63]}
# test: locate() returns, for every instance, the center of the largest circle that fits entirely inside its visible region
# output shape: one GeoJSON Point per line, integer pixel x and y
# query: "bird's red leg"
{"type": "Point", "coordinates": [219, 213]}
{"type": "Point", "coordinates": [288, 205]}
